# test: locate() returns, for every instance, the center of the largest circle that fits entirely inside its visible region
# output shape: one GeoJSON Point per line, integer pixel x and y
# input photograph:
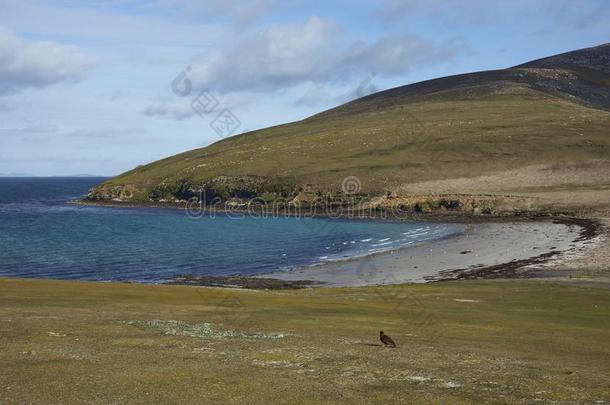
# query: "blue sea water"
{"type": "Point", "coordinates": [43, 236]}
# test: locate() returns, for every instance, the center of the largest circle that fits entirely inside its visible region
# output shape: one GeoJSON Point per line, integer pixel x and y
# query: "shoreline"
{"type": "Point", "coordinates": [350, 214]}
{"type": "Point", "coordinates": [388, 267]}
{"type": "Point", "coordinates": [494, 247]}
{"type": "Point", "coordinates": [489, 250]}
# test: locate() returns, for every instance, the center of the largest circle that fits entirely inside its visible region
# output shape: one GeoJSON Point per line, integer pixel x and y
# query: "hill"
{"type": "Point", "coordinates": [538, 130]}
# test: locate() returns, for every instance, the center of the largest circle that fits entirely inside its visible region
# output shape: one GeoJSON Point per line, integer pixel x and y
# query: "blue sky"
{"type": "Point", "coordinates": [86, 86]}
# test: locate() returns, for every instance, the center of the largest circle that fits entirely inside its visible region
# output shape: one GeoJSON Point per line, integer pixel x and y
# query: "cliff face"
{"type": "Point", "coordinates": [111, 192]}
{"type": "Point", "coordinates": [181, 190]}
{"type": "Point", "coordinates": [554, 111]}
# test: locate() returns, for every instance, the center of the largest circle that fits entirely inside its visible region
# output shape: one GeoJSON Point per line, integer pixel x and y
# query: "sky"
{"type": "Point", "coordinates": [99, 87]}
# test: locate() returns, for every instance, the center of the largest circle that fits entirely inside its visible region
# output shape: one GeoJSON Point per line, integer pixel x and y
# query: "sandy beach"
{"type": "Point", "coordinates": [479, 246]}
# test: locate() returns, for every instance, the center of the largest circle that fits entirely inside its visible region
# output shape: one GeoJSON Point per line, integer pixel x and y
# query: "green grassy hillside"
{"type": "Point", "coordinates": [553, 112]}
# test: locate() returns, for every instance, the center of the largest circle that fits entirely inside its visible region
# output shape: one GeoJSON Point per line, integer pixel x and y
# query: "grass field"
{"type": "Point", "coordinates": [458, 342]}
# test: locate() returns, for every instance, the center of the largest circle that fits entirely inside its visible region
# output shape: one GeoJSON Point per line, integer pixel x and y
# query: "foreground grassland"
{"type": "Point", "coordinates": [459, 342]}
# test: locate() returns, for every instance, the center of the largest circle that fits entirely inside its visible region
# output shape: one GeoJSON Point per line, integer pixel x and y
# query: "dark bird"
{"type": "Point", "coordinates": [386, 340]}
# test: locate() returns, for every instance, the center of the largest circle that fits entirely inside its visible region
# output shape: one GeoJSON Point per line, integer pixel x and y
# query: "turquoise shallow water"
{"type": "Point", "coordinates": [42, 236]}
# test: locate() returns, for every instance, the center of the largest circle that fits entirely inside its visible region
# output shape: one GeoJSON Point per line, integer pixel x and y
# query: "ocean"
{"type": "Point", "coordinates": [43, 236]}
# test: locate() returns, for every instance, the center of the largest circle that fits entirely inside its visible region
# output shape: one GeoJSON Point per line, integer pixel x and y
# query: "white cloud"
{"type": "Point", "coordinates": [177, 110]}
{"type": "Point", "coordinates": [37, 64]}
{"type": "Point", "coordinates": [106, 133]}
{"type": "Point", "coordinates": [27, 130]}
{"type": "Point", "coordinates": [396, 55]}
{"type": "Point", "coordinates": [319, 95]}
{"type": "Point", "coordinates": [42, 133]}
{"type": "Point", "coordinates": [283, 56]}
{"type": "Point", "coordinates": [277, 56]}
{"type": "Point", "coordinates": [4, 106]}
{"type": "Point", "coordinates": [314, 54]}
{"type": "Point", "coordinates": [559, 14]}
{"type": "Point", "coordinates": [107, 24]}
{"type": "Point", "coordinates": [315, 95]}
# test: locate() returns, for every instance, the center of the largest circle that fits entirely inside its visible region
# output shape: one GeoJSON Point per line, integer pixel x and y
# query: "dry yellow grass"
{"type": "Point", "coordinates": [462, 342]}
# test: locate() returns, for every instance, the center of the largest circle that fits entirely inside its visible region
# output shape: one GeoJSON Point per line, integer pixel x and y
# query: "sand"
{"type": "Point", "coordinates": [480, 245]}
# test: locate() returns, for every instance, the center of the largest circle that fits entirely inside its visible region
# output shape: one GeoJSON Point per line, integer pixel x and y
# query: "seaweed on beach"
{"type": "Point", "coordinates": [242, 282]}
